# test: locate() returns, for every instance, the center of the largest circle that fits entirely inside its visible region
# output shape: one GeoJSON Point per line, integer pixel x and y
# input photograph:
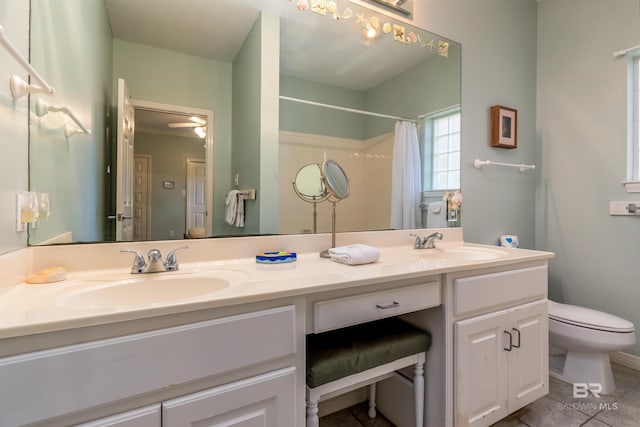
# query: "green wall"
{"type": "Point", "coordinates": [297, 117]}
{"type": "Point", "coordinates": [67, 39]}
{"type": "Point", "coordinates": [168, 163]}
{"type": "Point", "coordinates": [430, 86]}
{"type": "Point", "coordinates": [14, 126]}
{"type": "Point", "coordinates": [255, 124]}
{"type": "Point", "coordinates": [582, 112]}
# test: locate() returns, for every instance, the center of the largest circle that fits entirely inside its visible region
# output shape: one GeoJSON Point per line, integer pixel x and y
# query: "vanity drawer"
{"type": "Point", "coordinates": [471, 294]}
{"type": "Point", "coordinates": [68, 379]}
{"type": "Point", "coordinates": [347, 311]}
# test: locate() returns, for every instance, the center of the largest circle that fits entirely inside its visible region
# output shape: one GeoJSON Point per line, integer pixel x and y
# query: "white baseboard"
{"type": "Point", "coordinates": [625, 359]}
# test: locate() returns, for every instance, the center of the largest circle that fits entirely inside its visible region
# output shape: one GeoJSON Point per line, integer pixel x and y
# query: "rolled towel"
{"type": "Point", "coordinates": [354, 254]}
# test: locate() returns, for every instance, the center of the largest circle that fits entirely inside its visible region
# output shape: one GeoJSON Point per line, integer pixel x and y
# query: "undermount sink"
{"type": "Point", "coordinates": [146, 290]}
{"type": "Point", "coordinates": [461, 253]}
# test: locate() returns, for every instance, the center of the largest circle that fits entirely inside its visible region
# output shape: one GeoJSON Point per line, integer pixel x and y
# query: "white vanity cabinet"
{"type": "Point", "coordinates": [56, 383]}
{"type": "Point", "coordinates": [266, 400]}
{"type": "Point", "coordinates": [500, 343]}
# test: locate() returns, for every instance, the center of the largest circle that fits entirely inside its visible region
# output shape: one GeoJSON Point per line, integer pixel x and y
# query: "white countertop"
{"type": "Point", "coordinates": [31, 309]}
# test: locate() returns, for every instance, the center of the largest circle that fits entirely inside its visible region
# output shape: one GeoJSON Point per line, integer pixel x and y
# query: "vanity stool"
{"type": "Point", "coordinates": [349, 358]}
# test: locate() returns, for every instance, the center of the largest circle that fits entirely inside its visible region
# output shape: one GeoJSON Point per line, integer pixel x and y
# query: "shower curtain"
{"type": "Point", "coordinates": [406, 180]}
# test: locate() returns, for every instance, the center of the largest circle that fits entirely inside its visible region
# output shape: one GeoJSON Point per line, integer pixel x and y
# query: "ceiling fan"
{"type": "Point", "coordinates": [198, 124]}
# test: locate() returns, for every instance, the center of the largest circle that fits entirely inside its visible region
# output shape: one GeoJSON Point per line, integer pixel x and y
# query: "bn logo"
{"type": "Point", "coordinates": [582, 390]}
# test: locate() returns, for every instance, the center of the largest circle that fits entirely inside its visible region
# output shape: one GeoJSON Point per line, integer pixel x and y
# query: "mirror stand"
{"type": "Point", "coordinates": [325, 253]}
{"type": "Point", "coordinates": [336, 184]}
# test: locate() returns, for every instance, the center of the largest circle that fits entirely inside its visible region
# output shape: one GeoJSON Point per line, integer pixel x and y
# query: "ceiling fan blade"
{"type": "Point", "coordinates": [183, 125]}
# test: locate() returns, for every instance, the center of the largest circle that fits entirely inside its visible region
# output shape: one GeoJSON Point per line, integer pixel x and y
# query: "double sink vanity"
{"type": "Point", "coordinates": [222, 338]}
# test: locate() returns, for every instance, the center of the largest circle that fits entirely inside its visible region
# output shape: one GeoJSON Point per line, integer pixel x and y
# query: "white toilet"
{"type": "Point", "coordinates": [580, 340]}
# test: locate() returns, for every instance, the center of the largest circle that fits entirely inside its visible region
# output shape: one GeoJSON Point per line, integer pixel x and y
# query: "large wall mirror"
{"type": "Point", "coordinates": [234, 95]}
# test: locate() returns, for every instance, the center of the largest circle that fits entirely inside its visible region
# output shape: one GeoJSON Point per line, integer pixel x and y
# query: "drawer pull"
{"type": "Point", "coordinates": [518, 331]}
{"type": "Point", "coordinates": [388, 306]}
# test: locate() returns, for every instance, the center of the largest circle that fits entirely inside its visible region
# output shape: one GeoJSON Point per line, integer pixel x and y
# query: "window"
{"type": "Point", "coordinates": [442, 151]}
{"type": "Point", "coordinates": [633, 168]}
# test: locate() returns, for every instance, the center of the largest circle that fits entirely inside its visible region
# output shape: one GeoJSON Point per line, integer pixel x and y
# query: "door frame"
{"type": "Point", "coordinates": [209, 145]}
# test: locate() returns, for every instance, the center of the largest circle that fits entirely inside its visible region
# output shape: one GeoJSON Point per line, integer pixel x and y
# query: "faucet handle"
{"type": "Point", "coordinates": [171, 263]}
{"type": "Point", "coordinates": [419, 242]}
{"type": "Point", "coordinates": [154, 255]}
{"type": "Point", "coordinates": [139, 263]}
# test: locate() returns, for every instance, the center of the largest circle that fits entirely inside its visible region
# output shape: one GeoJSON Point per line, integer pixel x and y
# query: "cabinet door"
{"type": "Point", "coordinates": [529, 364]}
{"type": "Point", "coordinates": [148, 416]}
{"type": "Point", "coordinates": [266, 400]}
{"type": "Point", "coordinates": [481, 370]}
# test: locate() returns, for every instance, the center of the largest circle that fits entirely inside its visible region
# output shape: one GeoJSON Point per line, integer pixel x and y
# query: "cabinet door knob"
{"type": "Point", "coordinates": [518, 331]}
{"type": "Point", "coordinates": [510, 340]}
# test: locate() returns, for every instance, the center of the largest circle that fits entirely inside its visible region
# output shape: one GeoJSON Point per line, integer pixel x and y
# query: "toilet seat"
{"type": "Point", "coordinates": [588, 318]}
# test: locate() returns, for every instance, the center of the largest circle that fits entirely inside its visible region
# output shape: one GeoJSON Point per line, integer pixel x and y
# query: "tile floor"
{"type": "Point", "coordinates": [558, 408]}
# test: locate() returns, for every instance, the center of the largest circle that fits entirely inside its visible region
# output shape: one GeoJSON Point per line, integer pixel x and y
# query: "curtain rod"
{"type": "Point", "coordinates": [351, 110]}
{"type": "Point", "coordinates": [442, 110]}
{"type": "Point", "coordinates": [623, 52]}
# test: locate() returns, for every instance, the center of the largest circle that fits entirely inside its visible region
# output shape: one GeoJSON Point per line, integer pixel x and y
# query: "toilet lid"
{"type": "Point", "coordinates": [589, 318]}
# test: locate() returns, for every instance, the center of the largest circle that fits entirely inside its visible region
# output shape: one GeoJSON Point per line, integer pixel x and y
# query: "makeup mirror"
{"type": "Point", "coordinates": [337, 184]}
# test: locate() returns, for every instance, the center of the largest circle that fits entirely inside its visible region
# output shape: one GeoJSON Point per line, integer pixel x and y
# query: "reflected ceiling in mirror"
{"type": "Point", "coordinates": [321, 59]}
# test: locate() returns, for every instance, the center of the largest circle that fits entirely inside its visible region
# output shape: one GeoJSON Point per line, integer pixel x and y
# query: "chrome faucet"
{"type": "Point", "coordinates": [428, 242]}
{"type": "Point", "coordinates": [155, 264]}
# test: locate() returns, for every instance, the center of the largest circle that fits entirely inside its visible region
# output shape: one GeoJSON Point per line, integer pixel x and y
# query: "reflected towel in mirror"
{"type": "Point", "coordinates": [354, 254]}
{"type": "Point", "coordinates": [234, 214]}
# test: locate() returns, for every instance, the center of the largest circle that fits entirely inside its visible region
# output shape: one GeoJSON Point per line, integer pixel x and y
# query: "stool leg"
{"type": "Point", "coordinates": [312, 413]}
{"type": "Point", "coordinates": [418, 393]}
{"type": "Point", "coordinates": [372, 400]}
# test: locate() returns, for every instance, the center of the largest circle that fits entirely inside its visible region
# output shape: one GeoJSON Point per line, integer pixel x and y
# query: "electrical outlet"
{"type": "Point", "coordinates": [172, 233]}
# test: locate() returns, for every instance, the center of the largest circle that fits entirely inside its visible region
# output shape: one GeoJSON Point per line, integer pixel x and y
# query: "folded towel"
{"type": "Point", "coordinates": [354, 254]}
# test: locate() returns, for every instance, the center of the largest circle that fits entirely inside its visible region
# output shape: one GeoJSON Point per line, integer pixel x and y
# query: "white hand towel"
{"type": "Point", "coordinates": [239, 222]}
{"type": "Point", "coordinates": [234, 214]}
{"type": "Point", "coordinates": [232, 207]}
{"type": "Point", "coordinates": [354, 254]}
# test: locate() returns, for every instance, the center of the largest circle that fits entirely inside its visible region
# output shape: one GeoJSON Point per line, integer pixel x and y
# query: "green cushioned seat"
{"type": "Point", "coordinates": [347, 351]}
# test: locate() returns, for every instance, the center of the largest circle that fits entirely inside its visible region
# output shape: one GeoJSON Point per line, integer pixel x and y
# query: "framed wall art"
{"type": "Point", "coordinates": [504, 127]}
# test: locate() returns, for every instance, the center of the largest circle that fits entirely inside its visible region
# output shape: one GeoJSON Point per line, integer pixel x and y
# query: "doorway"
{"type": "Point", "coordinates": [172, 136]}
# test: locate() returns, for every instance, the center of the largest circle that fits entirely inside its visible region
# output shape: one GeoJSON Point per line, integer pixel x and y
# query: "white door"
{"type": "Point", "coordinates": [124, 179]}
{"type": "Point", "coordinates": [141, 197]}
{"type": "Point", "coordinates": [196, 190]}
{"type": "Point", "coordinates": [529, 363]}
{"type": "Point", "coordinates": [267, 400]}
{"type": "Point", "coordinates": [481, 370]}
